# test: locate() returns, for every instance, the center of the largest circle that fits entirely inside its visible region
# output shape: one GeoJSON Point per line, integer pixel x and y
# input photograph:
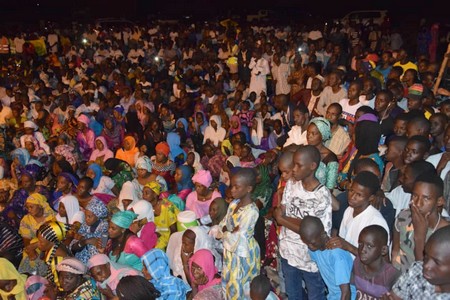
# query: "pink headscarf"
{"type": "Point", "coordinates": [236, 119]}
{"type": "Point", "coordinates": [203, 177]}
{"type": "Point", "coordinates": [35, 287]}
{"type": "Point", "coordinates": [84, 119]}
{"type": "Point", "coordinates": [205, 260]}
{"type": "Point", "coordinates": [106, 152]}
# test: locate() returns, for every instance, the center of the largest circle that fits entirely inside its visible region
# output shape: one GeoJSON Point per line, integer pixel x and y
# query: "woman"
{"type": "Point", "coordinates": [144, 172]}
{"type": "Point", "coordinates": [119, 171]}
{"type": "Point", "coordinates": [318, 132]}
{"type": "Point", "coordinates": [69, 212]}
{"type": "Point", "coordinates": [22, 162]}
{"type": "Point", "coordinates": [165, 213]}
{"type": "Point", "coordinates": [127, 197]}
{"type": "Point", "coordinates": [113, 133]}
{"type": "Point", "coordinates": [143, 226]}
{"type": "Point", "coordinates": [36, 152]}
{"type": "Point", "coordinates": [85, 137]}
{"type": "Point", "coordinates": [104, 186]}
{"type": "Point", "coordinates": [136, 288]}
{"type": "Point", "coordinates": [205, 280]}
{"type": "Point", "coordinates": [199, 200]}
{"type": "Point", "coordinates": [107, 274]}
{"type": "Point", "coordinates": [126, 248]}
{"type": "Point", "coordinates": [183, 178]}
{"type": "Point", "coordinates": [193, 160]}
{"type": "Point", "coordinates": [214, 133]}
{"type": "Point", "coordinates": [84, 245]}
{"type": "Point", "coordinates": [128, 151]}
{"type": "Point", "coordinates": [101, 152]}
{"type": "Point", "coordinates": [50, 236]}
{"type": "Point", "coordinates": [75, 285]}
{"type": "Point", "coordinates": [66, 185]}
{"type": "Point", "coordinates": [35, 287]}
{"type": "Point", "coordinates": [162, 165]}
{"type": "Point", "coordinates": [12, 283]}
{"type": "Point", "coordinates": [156, 269]}
{"type": "Point", "coordinates": [66, 152]}
{"type": "Point", "coordinates": [176, 154]}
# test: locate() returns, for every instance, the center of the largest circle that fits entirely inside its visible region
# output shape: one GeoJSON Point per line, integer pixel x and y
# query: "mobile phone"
{"type": "Point", "coordinates": [104, 239]}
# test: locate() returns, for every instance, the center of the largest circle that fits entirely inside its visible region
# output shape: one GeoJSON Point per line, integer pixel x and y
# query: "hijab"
{"type": "Point", "coordinates": [205, 260]}
{"type": "Point", "coordinates": [186, 178]}
{"type": "Point", "coordinates": [74, 214]}
{"type": "Point", "coordinates": [238, 120]}
{"type": "Point", "coordinates": [184, 122]}
{"type": "Point", "coordinates": [115, 133]}
{"type": "Point", "coordinates": [106, 152]}
{"type": "Point", "coordinates": [98, 174]}
{"type": "Point", "coordinates": [128, 192]}
{"type": "Point", "coordinates": [173, 139]}
{"type": "Point", "coordinates": [215, 135]}
{"type": "Point", "coordinates": [98, 208]}
{"type": "Point", "coordinates": [257, 134]}
{"type": "Point", "coordinates": [128, 155]}
{"type": "Point", "coordinates": [144, 210]}
{"type": "Point", "coordinates": [324, 127]}
{"type": "Point", "coordinates": [67, 152]}
{"type": "Point", "coordinates": [201, 128]}
{"type": "Point", "coordinates": [24, 157]}
{"type": "Point", "coordinates": [35, 287]}
{"type": "Point", "coordinates": [196, 165]}
{"type": "Point", "coordinates": [40, 200]}
{"type": "Point", "coordinates": [9, 272]}
{"type": "Point", "coordinates": [145, 163]}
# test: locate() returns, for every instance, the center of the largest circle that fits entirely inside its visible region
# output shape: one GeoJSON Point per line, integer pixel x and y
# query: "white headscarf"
{"type": "Point", "coordinates": [143, 209]}
{"type": "Point", "coordinates": [213, 135]}
{"type": "Point", "coordinates": [73, 212]}
{"type": "Point", "coordinates": [257, 134]}
{"type": "Point", "coordinates": [128, 192]}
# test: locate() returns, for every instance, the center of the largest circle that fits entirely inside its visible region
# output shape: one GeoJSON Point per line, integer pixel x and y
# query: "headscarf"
{"type": "Point", "coordinates": [124, 219]}
{"type": "Point", "coordinates": [30, 124]}
{"type": "Point", "coordinates": [106, 152]}
{"type": "Point", "coordinates": [128, 155]}
{"type": "Point", "coordinates": [41, 200]}
{"type": "Point", "coordinates": [205, 122]}
{"type": "Point", "coordinates": [144, 210]}
{"type": "Point", "coordinates": [215, 135]}
{"type": "Point", "coordinates": [173, 140]}
{"type": "Point", "coordinates": [67, 152]}
{"type": "Point", "coordinates": [72, 265]}
{"type": "Point", "coordinates": [154, 186]}
{"type": "Point", "coordinates": [238, 120]}
{"type": "Point", "coordinates": [98, 174]}
{"type": "Point", "coordinates": [185, 181]}
{"type": "Point", "coordinates": [222, 207]}
{"type": "Point", "coordinates": [196, 165]}
{"type": "Point", "coordinates": [234, 160]}
{"type": "Point", "coordinates": [71, 178]}
{"type": "Point", "coordinates": [98, 208]}
{"type": "Point", "coordinates": [145, 163]}
{"type": "Point", "coordinates": [9, 272]}
{"type": "Point", "coordinates": [157, 264]}
{"type": "Point", "coordinates": [115, 134]}
{"type": "Point", "coordinates": [164, 148]}
{"type": "Point", "coordinates": [34, 141]}
{"type": "Point", "coordinates": [120, 109]}
{"type": "Point", "coordinates": [24, 157]}
{"type": "Point", "coordinates": [205, 260]}
{"type": "Point", "coordinates": [203, 177]}
{"type": "Point", "coordinates": [35, 287]}
{"type": "Point", "coordinates": [84, 119]}
{"type": "Point", "coordinates": [74, 214]}
{"type": "Point", "coordinates": [128, 192]}
{"type": "Point", "coordinates": [184, 122]}
{"type": "Point", "coordinates": [257, 134]}
{"type": "Point", "coordinates": [324, 127]}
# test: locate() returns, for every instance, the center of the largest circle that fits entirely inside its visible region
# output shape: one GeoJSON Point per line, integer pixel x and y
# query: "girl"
{"type": "Point", "coordinates": [241, 251]}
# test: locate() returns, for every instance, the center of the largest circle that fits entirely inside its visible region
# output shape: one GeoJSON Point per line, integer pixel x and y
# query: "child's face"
{"type": "Point", "coordinates": [370, 249]}
{"type": "Point", "coordinates": [437, 125]}
{"type": "Point", "coordinates": [285, 170]}
{"type": "Point", "coordinates": [424, 197]}
{"type": "Point", "coordinates": [414, 151]}
{"type": "Point", "coordinates": [237, 150]}
{"type": "Point", "coordinates": [358, 195]}
{"type": "Point", "coordinates": [354, 91]}
{"type": "Point", "coordinates": [302, 167]}
{"type": "Point", "coordinates": [239, 187]}
{"type": "Point", "coordinates": [314, 243]}
{"type": "Point", "coordinates": [190, 159]}
{"type": "Point", "coordinates": [393, 151]}
{"type": "Point", "coordinates": [381, 102]}
{"type": "Point", "coordinates": [400, 127]}
{"type": "Point", "coordinates": [414, 103]}
{"type": "Point", "coordinates": [299, 118]}
{"type": "Point", "coordinates": [277, 127]}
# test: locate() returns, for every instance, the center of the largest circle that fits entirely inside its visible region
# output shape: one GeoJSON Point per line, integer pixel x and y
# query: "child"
{"type": "Point", "coordinates": [429, 279]}
{"type": "Point", "coordinates": [416, 149]}
{"type": "Point", "coordinates": [400, 123]}
{"type": "Point", "coordinates": [438, 123]}
{"type": "Point", "coordinates": [276, 133]}
{"type": "Point", "coordinates": [335, 265]}
{"type": "Point", "coordinates": [260, 289]}
{"type": "Point", "coordinates": [415, 225]}
{"type": "Point", "coordinates": [359, 214]}
{"type": "Point", "coordinates": [394, 158]}
{"type": "Point", "coordinates": [241, 251]}
{"type": "Point", "coordinates": [350, 105]}
{"type": "Point", "coordinates": [295, 260]}
{"type": "Point", "coordinates": [373, 275]}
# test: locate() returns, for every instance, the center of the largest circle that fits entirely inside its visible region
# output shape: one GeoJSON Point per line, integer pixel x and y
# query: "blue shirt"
{"type": "Point", "coordinates": [335, 266]}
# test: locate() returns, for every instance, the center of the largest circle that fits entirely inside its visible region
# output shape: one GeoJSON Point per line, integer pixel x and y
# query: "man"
{"type": "Point", "coordinates": [280, 73]}
{"type": "Point", "coordinates": [259, 70]}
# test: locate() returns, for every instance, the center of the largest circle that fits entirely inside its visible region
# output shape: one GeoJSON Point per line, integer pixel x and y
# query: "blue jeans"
{"type": "Point", "coordinates": [293, 279]}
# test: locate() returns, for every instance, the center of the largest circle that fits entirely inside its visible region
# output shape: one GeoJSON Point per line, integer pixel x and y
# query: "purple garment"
{"type": "Point", "coordinates": [86, 143]}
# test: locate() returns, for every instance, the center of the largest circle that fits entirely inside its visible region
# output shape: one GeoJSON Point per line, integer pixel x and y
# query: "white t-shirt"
{"type": "Point", "coordinates": [349, 111]}
{"type": "Point", "coordinates": [434, 160]}
{"type": "Point", "coordinates": [400, 200]}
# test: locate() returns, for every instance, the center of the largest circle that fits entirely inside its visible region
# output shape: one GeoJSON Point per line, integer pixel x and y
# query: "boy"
{"type": "Point", "coordinates": [394, 158]}
{"type": "Point", "coordinates": [360, 213]}
{"type": "Point", "coordinates": [440, 160]}
{"type": "Point", "coordinates": [340, 138]}
{"type": "Point", "coordinates": [303, 195]}
{"type": "Point", "coordinates": [400, 124]}
{"type": "Point", "coordinates": [418, 126]}
{"type": "Point", "coordinates": [260, 289]}
{"type": "Point", "coordinates": [416, 149]}
{"type": "Point", "coordinates": [414, 225]}
{"type": "Point", "coordinates": [372, 274]}
{"type": "Point", "coordinates": [429, 279]}
{"type": "Point", "coordinates": [335, 265]}
{"type": "Point", "coordinates": [350, 105]}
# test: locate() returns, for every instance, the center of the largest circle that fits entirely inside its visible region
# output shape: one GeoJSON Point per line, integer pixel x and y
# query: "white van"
{"type": "Point", "coordinates": [365, 16]}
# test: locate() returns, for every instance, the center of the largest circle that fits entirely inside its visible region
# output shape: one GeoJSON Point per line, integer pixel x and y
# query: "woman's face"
{"type": "Point", "coordinates": [69, 281]}
{"type": "Point", "coordinates": [201, 189]}
{"type": "Point", "coordinates": [90, 173]}
{"type": "Point", "coordinates": [127, 145]}
{"type": "Point", "coordinates": [101, 273]}
{"type": "Point", "coordinates": [142, 173]}
{"type": "Point", "coordinates": [82, 189]}
{"type": "Point", "coordinates": [190, 159]}
{"type": "Point", "coordinates": [313, 135]}
{"type": "Point", "coordinates": [90, 217]}
{"type": "Point", "coordinates": [198, 274]}
{"type": "Point", "coordinates": [178, 175]}
{"type": "Point", "coordinates": [63, 184]}
{"type": "Point", "coordinates": [161, 157]}
{"type": "Point", "coordinates": [34, 210]}
{"type": "Point", "coordinates": [188, 242]}
{"type": "Point", "coordinates": [30, 147]}
{"type": "Point", "coordinates": [214, 124]}
{"type": "Point", "coordinates": [99, 145]}
{"type": "Point", "coordinates": [27, 182]}
{"type": "Point", "coordinates": [43, 244]}
{"type": "Point", "coordinates": [115, 231]}
{"type": "Point", "coordinates": [199, 119]}
{"type": "Point", "coordinates": [108, 124]}
{"type": "Point", "coordinates": [7, 285]}
{"type": "Point", "coordinates": [62, 210]}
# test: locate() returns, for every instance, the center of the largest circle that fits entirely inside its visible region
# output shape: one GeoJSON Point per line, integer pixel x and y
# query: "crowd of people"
{"type": "Point", "coordinates": [223, 161]}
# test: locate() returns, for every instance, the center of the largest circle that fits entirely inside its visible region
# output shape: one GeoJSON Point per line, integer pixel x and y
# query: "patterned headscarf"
{"type": "Point", "coordinates": [324, 127]}
{"type": "Point", "coordinates": [98, 208]}
{"type": "Point", "coordinates": [41, 200]}
{"type": "Point", "coordinates": [154, 186]}
{"type": "Point", "coordinates": [72, 265]}
{"type": "Point", "coordinates": [145, 163]}
{"type": "Point", "coordinates": [67, 152]}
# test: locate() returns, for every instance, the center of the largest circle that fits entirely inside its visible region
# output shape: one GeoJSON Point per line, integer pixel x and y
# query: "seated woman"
{"type": "Point", "coordinates": [107, 274]}
{"type": "Point", "coordinates": [66, 152]}
{"type": "Point", "coordinates": [127, 198]}
{"type": "Point", "coordinates": [183, 179]}
{"type": "Point", "coordinates": [101, 152]}
{"type": "Point", "coordinates": [177, 154]}
{"type": "Point", "coordinates": [39, 212]}
{"type": "Point", "coordinates": [104, 187]}
{"type": "Point", "coordinates": [165, 213]}
{"type": "Point", "coordinates": [162, 165]}
{"type": "Point", "coordinates": [66, 185]}
{"type": "Point", "coordinates": [136, 288]}
{"type": "Point", "coordinates": [12, 283]}
{"type": "Point", "coordinates": [50, 236]}
{"type": "Point", "coordinates": [36, 152]}
{"type": "Point", "coordinates": [199, 200]}
{"type": "Point", "coordinates": [22, 163]}
{"type": "Point", "coordinates": [85, 137]}
{"type": "Point", "coordinates": [143, 170]}
{"type": "Point", "coordinates": [156, 269]}
{"type": "Point", "coordinates": [128, 151]}
{"type": "Point", "coordinates": [84, 245]}
{"type": "Point", "coordinates": [214, 133]}
{"type": "Point", "coordinates": [125, 247]}
{"type": "Point", "coordinates": [119, 171]}
{"type": "Point", "coordinates": [193, 160]}
{"type": "Point", "coordinates": [113, 133]}
{"type": "Point", "coordinates": [205, 280]}
{"type": "Point", "coordinates": [144, 226]}
{"type": "Point", "coordinates": [74, 282]}
{"type": "Point", "coordinates": [69, 213]}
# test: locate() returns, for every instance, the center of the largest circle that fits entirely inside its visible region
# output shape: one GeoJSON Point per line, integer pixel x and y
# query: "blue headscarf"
{"type": "Point", "coordinates": [173, 139]}
{"type": "Point", "coordinates": [71, 178]}
{"type": "Point", "coordinates": [24, 157]}
{"type": "Point", "coordinates": [97, 208]}
{"type": "Point", "coordinates": [184, 122]}
{"type": "Point", "coordinates": [98, 174]}
{"type": "Point", "coordinates": [186, 178]}
{"type": "Point", "coordinates": [157, 264]}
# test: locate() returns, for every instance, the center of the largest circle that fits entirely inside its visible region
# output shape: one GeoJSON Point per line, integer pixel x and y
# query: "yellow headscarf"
{"type": "Point", "coordinates": [9, 272]}
{"type": "Point", "coordinates": [41, 200]}
{"type": "Point", "coordinates": [155, 187]}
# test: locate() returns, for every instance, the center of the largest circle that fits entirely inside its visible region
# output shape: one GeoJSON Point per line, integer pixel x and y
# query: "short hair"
{"type": "Point", "coordinates": [302, 109]}
{"type": "Point", "coordinates": [286, 157]}
{"type": "Point", "coordinates": [380, 233]}
{"type": "Point", "coordinates": [369, 180]}
{"type": "Point", "coordinates": [400, 140]}
{"type": "Point", "coordinates": [136, 288]}
{"type": "Point", "coordinates": [366, 110]}
{"type": "Point", "coordinates": [311, 225]}
{"type": "Point", "coordinates": [434, 180]}
{"type": "Point", "coordinates": [311, 152]}
{"type": "Point", "coordinates": [422, 122]}
{"type": "Point", "coordinates": [389, 95]}
{"type": "Point", "coordinates": [422, 167]}
{"type": "Point", "coordinates": [337, 105]}
{"type": "Point", "coordinates": [403, 117]}
{"type": "Point", "coordinates": [424, 141]}
{"type": "Point", "coordinates": [365, 162]}
{"type": "Point", "coordinates": [261, 285]}
{"type": "Point", "coordinates": [441, 236]}
{"type": "Point", "coordinates": [248, 174]}
{"type": "Point", "coordinates": [88, 181]}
